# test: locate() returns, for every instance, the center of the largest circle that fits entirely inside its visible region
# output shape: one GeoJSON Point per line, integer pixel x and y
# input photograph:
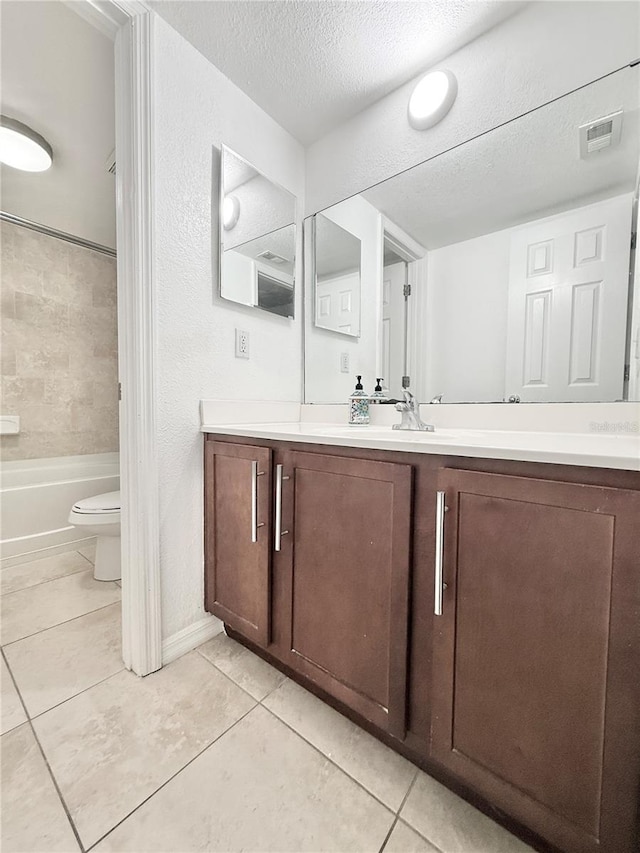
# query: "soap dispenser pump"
{"type": "Point", "coordinates": [359, 405]}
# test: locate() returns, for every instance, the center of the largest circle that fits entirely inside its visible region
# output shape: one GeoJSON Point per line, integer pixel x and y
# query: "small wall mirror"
{"type": "Point", "coordinates": [257, 238]}
{"type": "Point", "coordinates": [337, 275]}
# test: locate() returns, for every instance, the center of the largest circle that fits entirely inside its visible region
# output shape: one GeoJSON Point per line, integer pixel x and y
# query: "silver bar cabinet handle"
{"type": "Point", "coordinates": [279, 531]}
{"type": "Point", "coordinates": [440, 586]}
{"type": "Point", "coordinates": [254, 501]}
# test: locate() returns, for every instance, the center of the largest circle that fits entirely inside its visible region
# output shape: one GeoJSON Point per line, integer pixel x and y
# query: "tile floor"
{"type": "Point", "coordinates": [216, 752]}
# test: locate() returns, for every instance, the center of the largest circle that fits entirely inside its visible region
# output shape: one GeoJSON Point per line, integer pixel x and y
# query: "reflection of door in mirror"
{"type": "Point", "coordinates": [394, 317]}
{"type": "Point", "coordinates": [257, 238]}
{"type": "Point", "coordinates": [337, 276]}
{"type": "Point", "coordinates": [568, 293]}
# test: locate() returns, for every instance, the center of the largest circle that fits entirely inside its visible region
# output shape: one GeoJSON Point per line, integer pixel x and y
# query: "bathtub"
{"type": "Point", "coordinates": [37, 494]}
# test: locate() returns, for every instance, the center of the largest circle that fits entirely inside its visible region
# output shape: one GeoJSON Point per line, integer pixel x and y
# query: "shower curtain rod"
{"type": "Point", "coordinates": [53, 232]}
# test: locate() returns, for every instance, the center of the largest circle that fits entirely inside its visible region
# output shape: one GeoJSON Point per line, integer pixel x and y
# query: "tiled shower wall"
{"type": "Point", "coordinates": [59, 346]}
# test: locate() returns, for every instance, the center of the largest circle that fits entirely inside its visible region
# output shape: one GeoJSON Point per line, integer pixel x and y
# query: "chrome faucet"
{"type": "Point", "coordinates": [436, 399]}
{"type": "Point", "coordinates": [411, 414]}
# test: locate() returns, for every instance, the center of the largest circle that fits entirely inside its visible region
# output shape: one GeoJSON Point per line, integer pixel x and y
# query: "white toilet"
{"type": "Point", "coordinates": [100, 516]}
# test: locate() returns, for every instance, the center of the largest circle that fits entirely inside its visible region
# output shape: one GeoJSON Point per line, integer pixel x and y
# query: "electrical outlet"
{"type": "Point", "coordinates": [344, 362]}
{"type": "Point", "coordinates": [242, 344]}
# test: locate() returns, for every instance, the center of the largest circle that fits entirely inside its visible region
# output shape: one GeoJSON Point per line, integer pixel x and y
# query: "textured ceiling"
{"type": "Point", "coordinates": [58, 78]}
{"type": "Point", "coordinates": [526, 170]}
{"type": "Point", "coordinates": [311, 64]}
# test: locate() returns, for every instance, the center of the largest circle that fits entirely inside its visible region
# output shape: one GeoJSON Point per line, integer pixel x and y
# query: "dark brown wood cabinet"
{"type": "Point", "coordinates": [238, 537]}
{"type": "Point", "coordinates": [346, 565]}
{"type": "Point", "coordinates": [531, 668]}
{"type": "Point", "coordinates": [524, 694]}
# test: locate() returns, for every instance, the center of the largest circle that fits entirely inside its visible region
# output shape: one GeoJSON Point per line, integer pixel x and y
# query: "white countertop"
{"type": "Point", "coordinates": [597, 450]}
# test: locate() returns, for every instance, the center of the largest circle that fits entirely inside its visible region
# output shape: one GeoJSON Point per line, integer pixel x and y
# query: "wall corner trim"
{"type": "Point", "coordinates": [188, 638]}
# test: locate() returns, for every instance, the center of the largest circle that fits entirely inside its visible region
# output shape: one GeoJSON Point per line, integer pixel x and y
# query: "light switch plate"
{"type": "Point", "coordinates": [242, 344]}
{"type": "Point", "coordinates": [344, 362]}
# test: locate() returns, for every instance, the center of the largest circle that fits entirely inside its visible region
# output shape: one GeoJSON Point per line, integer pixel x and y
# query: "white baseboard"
{"type": "Point", "coordinates": [188, 638]}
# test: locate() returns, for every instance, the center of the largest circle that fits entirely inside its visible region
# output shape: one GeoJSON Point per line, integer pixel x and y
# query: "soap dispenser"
{"type": "Point", "coordinates": [359, 405]}
{"type": "Point", "coordinates": [378, 394]}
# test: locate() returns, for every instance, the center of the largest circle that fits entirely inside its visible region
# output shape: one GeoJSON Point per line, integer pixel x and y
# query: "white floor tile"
{"type": "Point", "coordinates": [452, 824]}
{"type": "Point", "coordinates": [260, 787]}
{"type": "Point", "coordinates": [33, 818]}
{"type": "Point", "coordinates": [89, 551]}
{"type": "Point", "coordinates": [11, 710]}
{"type": "Point", "coordinates": [382, 771]}
{"type": "Point", "coordinates": [115, 744]}
{"type": "Point", "coordinates": [38, 571]}
{"type": "Point", "coordinates": [403, 839]}
{"type": "Point", "coordinates": [39, 607]}
{"type": "Point", "coordinates": [247, 670]}
{"type": "Point", "coordinates": [54, 665]}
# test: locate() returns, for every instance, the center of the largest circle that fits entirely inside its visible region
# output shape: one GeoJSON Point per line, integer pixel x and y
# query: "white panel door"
{"type": "Point", "coordinates": [338, 303]}
{"type": "Point", "coordinates": [568, 294]}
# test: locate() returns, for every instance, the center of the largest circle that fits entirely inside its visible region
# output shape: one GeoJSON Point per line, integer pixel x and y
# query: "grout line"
{"type": "Point", "coordinates": [64, 622]}
{"type": "Point", "coordinates": [171, 778]}
{"type": "Point", "coordinates": [228, 677]}
{"type": "Point", "coordinates": [409, 789]}
{"type": "Point", "coordinates": [40, 583]}
{"type": "Point", "coordinates": [79, 693]}
{"type": "Point", "coordinates": [302, 737]}
{"type": "Point", "coordinates": [420, 835]}
{"type": "Point", "coordinates": [51, 580]}
{"type": "Point", "coordinates": [330, 760]}
{"type": "Point", "coordinates": [44, 758]}
{"type": "Point", "coordinates": [397, 815]}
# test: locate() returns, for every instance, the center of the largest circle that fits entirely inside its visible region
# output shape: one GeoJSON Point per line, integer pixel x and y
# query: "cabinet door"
{"type": "Point", "coordinates": [238, 537]}
{"type": "Point", "coordinates": [347, 566]}
{"type": "Point", "coordinates": [535, 668]}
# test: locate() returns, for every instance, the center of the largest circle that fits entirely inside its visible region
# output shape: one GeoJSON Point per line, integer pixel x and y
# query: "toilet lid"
{"type": "Point", "coordinates": [109, 502]}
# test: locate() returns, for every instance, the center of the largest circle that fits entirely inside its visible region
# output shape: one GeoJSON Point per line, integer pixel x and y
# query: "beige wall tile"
{"type": "Point", "coordinates": [59, 343]}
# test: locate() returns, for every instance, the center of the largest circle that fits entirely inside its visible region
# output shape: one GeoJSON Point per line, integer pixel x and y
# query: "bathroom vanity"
{"type": "Point", "coordinates": [480, 615]}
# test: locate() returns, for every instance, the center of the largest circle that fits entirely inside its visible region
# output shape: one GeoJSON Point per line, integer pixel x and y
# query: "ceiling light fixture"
{"type": "Point", "coordinates": [432, 99]}
{"type": "Point", "coordinates": [230, 212]}
{"type": "Point", "coordinates": [23, 148]}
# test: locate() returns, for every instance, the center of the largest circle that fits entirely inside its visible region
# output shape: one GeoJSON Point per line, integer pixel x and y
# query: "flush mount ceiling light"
{"type": "Point", "coordinates": [230, 212]}
{"type": "Point", "coordinates": [23, 148]}
{"type": "Point", "coordinates": [432, 99]}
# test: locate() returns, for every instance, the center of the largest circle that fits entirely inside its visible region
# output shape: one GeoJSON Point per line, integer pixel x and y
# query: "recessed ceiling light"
{"type": "Point", "coordinates": [23, 148]}
{"type": "Point", "coordinates": [432, 99]}
{"type": "Point", "coordinates": [230, 212]}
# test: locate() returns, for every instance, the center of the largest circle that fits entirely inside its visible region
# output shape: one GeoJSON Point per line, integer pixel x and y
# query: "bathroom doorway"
{"type": "Point", "coordinates": [127, 27]}
{"type": "Point", "coordinates": [401, 270]}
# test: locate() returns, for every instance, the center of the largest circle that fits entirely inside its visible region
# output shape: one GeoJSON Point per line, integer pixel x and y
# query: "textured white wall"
{"type": "Point", "coordinates": [324, 382]}
{"type": "Point", "coordinates": [543, 52]}
{"type": "Point", "coordinates": [196, 108]}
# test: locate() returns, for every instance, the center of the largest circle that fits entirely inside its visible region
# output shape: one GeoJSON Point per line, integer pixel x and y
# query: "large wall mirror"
{"type": "Point", "coordinates": [257, 238]}
{"type": "Point", "coordinates": [504, 268]}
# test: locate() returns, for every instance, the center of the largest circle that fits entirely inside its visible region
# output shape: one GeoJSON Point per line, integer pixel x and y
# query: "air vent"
{"type": "Point", "coordinates": [272, 257]}
{"type": "Point", "coordinates": [601, 134]}
{"type": "Point", "coordinates": [111, 163]}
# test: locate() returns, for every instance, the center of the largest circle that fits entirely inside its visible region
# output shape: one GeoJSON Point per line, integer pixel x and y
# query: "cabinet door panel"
{"type": "Point", "coordinates": [349, 581]}
{"type": "Point", "coordinates": [528, 676]}
{"type": "Point", "coordinates": [237, 570]}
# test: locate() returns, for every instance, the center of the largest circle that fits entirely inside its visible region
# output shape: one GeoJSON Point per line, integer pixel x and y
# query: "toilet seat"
{"type": "Point", "coordinates": [109, 503]}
